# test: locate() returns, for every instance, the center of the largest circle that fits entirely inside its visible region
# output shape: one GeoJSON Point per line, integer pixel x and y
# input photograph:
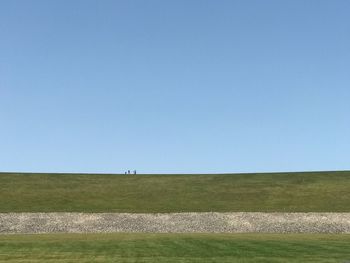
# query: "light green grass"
{"type": "Point", "coordinates": [284, 192]}
{"type": "Point", "coordinates": [197, 248]}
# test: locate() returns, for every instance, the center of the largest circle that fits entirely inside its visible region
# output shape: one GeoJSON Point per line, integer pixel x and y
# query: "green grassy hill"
{"type": "Point", "coordinates": [270, 192]}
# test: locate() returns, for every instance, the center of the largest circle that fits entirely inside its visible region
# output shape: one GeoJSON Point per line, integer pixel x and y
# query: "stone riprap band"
{"type": "Point", "coordinates": [237, 222]}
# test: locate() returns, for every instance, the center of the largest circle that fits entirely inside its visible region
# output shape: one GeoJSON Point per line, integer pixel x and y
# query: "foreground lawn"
{"type": "Point", "coordinates": [294, 192]}
{"type": "Point", "coordinates": [174, 248]}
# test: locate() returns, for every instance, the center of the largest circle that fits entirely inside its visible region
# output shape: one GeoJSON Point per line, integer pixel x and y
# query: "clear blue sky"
{"type": "Point", "coordinates": [174, 86]}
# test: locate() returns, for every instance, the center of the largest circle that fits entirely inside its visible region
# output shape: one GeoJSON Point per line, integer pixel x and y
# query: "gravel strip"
{"type": "Point", "coordinates": [242, 222]}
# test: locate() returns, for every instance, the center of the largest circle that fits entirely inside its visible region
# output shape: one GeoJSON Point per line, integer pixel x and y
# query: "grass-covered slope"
{"type": "Point", "coordinates": [294, 192]}
{"type": "Point", "coordinates": [166, 248]}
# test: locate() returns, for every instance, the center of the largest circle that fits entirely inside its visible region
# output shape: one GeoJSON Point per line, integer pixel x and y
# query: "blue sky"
{"type": "Point", "coordinates": [174, 86]}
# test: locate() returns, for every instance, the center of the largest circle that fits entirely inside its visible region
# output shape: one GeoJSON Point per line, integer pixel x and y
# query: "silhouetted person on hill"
{"type": "Point", "coordinates": [134, 171]}
{"type": "Point", "coordinates": [128, 171]}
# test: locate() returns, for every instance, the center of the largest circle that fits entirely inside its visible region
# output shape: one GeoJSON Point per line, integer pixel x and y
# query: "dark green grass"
{"type": "Point", "coordinates": [201, 248]}
{"type": "Point", "coordinates": [281, 192]}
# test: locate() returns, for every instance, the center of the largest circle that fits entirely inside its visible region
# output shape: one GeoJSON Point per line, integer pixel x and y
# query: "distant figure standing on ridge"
{"type": "Point", "coordinates": [128, 171]}
{"type": "Point", "coordinates": [134, 171]}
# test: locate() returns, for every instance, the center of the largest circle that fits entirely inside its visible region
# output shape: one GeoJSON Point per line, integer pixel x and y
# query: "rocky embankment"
{"type": "Point", "coordinates": [242, 222]}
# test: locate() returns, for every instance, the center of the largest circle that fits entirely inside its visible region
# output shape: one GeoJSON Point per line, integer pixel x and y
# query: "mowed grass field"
{"type": "Point", "coordinates": [185, 248]}
{"type": "Point", "coordinates": [274, 192]}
